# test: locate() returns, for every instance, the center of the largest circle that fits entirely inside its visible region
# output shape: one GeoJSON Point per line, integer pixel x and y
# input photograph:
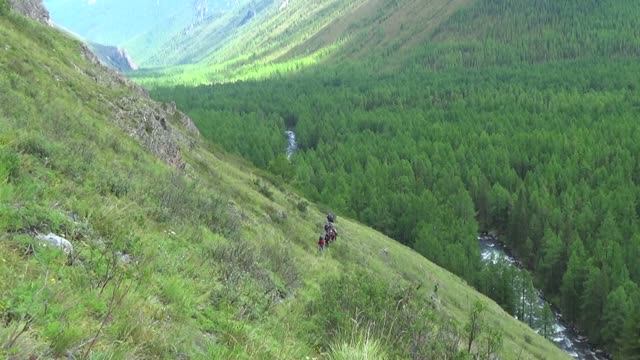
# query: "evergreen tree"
{"type": "Point", "coordinates": [548, 321]}
{"type": "Point", "coordinates": [573, 281]}
{"type": "Point", "coordinates": [629, 343]}
{"type": "Point", "coordinates": [593, 300]}
{"type": "Point", "coordinates": [552, 262]}
{"type": "Point", "coordinates": [616, 311]}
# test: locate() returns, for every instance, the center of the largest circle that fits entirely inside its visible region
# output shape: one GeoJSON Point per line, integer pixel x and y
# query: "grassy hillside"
{"type": "Point", "coordinates": [515, 116]}
{"type": "Point", "coordinates": [194, 256]}
{"type": "Point", "coordinates": [286, 39]}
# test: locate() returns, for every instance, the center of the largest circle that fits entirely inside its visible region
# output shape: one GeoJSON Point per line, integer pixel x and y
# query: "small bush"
{"type": "Point", "coordinates": [9, 165]}
{"type": "Point", "coordinates": [277, 216]}
{"type": "Point", "coordinates": [263, 189]}
{"type": "Point", "coordinates": [360, 348]}
{"type": "Point", "coordinates": [280, 259]}
{"type": "Point", "coordinates": [36, 147]}
{"type": "Point", "coordinates": [61, 336]}
{"type": "Point", "coordinates": [4, 7]}
{"type": "Point", "coordinates": [302, 206]}
{"type": "Point", "coordinates": [116, 185]}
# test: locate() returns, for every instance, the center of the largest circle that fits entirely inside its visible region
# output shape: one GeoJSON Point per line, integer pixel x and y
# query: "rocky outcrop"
{"type": "Point", "coordinates": [33, 9]}
{"type": "Point", "coordinates": [155, 126]}
{"type": "Point", "coordinates": [113, 57]}
{"type": "Point", "coordinates": [56, 241]}
{"type": "Point", "coordinates": [160, 128]}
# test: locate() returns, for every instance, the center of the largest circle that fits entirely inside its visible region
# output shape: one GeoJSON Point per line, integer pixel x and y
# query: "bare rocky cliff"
{"type": "Point", "coordinates": [33, 9]}
{"type": "Point", "coordinates": [114, 57]}
{"type": "Point", "coordinates": [160, 128]}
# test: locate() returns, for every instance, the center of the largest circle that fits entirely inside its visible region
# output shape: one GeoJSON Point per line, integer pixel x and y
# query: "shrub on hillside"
{"type": "Point", "coordinates": [263, 189]}
{"type": "Point", "coordinates": [360, 348]}
{"type": "Point", "coordinates": [9, 165]}
{"type": "Point", "coordinates": [36, 146]}
{"type": "Point", "coordinates": [4, 7]}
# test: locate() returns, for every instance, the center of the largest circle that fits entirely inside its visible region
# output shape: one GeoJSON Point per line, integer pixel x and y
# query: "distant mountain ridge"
{"type": "Point", "coordinates": [114, 57]}
{"type": "Point", "coordinates": [140, 27]}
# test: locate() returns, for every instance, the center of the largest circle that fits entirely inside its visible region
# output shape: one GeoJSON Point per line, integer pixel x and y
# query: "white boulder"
{"type": "Point", "coordinates": [57, 241]}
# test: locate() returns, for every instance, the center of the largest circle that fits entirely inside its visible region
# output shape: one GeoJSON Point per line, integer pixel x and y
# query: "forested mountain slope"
{"type": "Point", "coordinates": [518, 117]}
{"type": "Point", "coordinates": [182, 251]}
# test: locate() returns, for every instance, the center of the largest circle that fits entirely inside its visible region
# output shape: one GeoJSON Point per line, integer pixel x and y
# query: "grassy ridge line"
{"type": "Point", "coordinates": [225, 264]}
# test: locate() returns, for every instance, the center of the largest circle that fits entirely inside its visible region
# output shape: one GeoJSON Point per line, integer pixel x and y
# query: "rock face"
{"type": "Point", "coordinates": [160, 128]}
{"type": "Point", "coordinates": [155, 126]}
{"type": "Point", "coordinates": [113, 57]}
{"type": "Point", "coordinates": [56, 241]}
{"type": "Point", "coordinates": [31, 8]}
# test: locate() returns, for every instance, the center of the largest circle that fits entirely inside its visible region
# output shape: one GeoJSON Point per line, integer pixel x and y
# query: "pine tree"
{"type": "Point", "coordinates": [552, 263]}
{"type": "Point", "coordinates": [616, 311]}
{"type": "Point", "coordinates": [629, 342]}
{"type": "Point", "coordinates": [548, 320]}
{"type": "Point", "coordinates": [519, 222]}
{"type": "Point", "coordinates": [573, 281]}
{"type": "Point", "coordinates": [593, 299]}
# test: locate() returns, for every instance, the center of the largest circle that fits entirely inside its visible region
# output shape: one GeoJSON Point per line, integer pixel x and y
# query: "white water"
{"type": "Point", "coordinates": [565, 338]}
{"type": "Point", "coordinates": [292, 144]}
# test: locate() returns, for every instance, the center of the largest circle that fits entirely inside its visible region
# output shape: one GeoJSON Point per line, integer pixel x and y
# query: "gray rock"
{"type": "Point", "coordinates": [33, 9]}
{"type": "Point", "coordinates": [160, 128]}
{"type": "Point", "coordinates": [114, 57]}
{"type": "Point", "coordinates": [123, 258]}
{"type": "Point", "coordinates": [57, 241]}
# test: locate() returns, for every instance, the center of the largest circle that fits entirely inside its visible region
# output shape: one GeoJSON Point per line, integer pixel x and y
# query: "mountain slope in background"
{"type": "Point", "coordinates": [140, 27]}
{"type": "Point", "coordinates": [181, 251]}
{"type": "Point", "coordinates": [243, 33]}
{"type": "Point", "coordinates": [114, 57]}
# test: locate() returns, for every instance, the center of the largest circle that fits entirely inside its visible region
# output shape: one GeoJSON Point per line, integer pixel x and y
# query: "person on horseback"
{"type": "Point", "coordinates": [330, 232]}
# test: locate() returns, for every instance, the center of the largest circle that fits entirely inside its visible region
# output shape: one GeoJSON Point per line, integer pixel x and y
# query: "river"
{"type": "Point", "coordinates": [292, 144]}
{"type": "Point", "coordinates": [563, 336]}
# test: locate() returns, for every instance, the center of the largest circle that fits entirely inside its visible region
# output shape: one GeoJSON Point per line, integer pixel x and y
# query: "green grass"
{"type": "Point", "coordinates": [239, 69]}
{"type": "Point", "coordinates": [219, 270]}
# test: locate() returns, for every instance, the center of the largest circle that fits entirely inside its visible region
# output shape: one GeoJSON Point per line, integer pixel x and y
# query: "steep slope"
{"type": "Point", "coordinates": [510, 116]}
{"type": "Point", "coordinates": [194, 42]}
{"type": "Point", "coordinates": [287, 37]}
{"type": "Point", "coordinates": [181, 251]}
